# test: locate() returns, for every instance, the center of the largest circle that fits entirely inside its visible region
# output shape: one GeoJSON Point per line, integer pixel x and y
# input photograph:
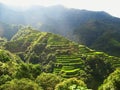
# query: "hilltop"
{"type": "Point", "coordinates": [61, 56]}
{"type": "Point", "coordinates": [96, 29]}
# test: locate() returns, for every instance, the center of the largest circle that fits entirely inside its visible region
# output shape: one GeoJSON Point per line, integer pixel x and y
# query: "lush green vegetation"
{"type": "Point", "coordinates": [46, 61]}
{"type": "Point", "coordinates": [95, 29]}
{"type": "Point", "coordinates": [33, 60]}
{"type": "Point", "coordinates": [112, 82]}
{"type": "Point", "coordinates": [71, 84]}
{"type": "Point", "coordinates": [22, 84]}
{"type": "Point", "coordinates": [101, 35]}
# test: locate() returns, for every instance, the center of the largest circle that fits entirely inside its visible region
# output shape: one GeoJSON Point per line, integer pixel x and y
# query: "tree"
{"type": "Point", "coordinates": [112, 82]}
{"type": "Point", "coordinates": [71, 84]}
{"type": "Point", "coordinates": [22, 84]}
{"type": "Point", "coordinates": [30, 71]}
{"type": "Point", "coordinates": [48, 81]}
{"type": "Point", "coordinates": [97, 66]}
{"type": "Point", "coordinates": [5, 56]}
{"type": "Point", "coordinates": [4, 79]}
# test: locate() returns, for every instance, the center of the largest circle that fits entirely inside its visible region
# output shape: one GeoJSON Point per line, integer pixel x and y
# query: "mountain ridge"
{"type": "Point", "coordinates": [62, 57]}
{"type": "Point", "coordinates": [82, 26]}
{"type": "Point", "coordinates": [34, 60]}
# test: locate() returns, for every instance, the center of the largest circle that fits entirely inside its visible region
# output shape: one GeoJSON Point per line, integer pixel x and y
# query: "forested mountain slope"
{"type": "Point", "coordinates": [34, 60]}
{"type": "Point", "coordinates": [61, 56]}
{"type": "Point", "coordinates": [97, 30]}
{"type": "Point", "coordinates": [112, 81]}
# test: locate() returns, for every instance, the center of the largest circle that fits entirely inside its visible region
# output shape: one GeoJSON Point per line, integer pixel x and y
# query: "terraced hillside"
{"type": "Point", "coordinates": [68, 66]}
{"type": "Point", "coordinates": [62, 56]}
{"type": "Point", "coordinates": [68, 61]}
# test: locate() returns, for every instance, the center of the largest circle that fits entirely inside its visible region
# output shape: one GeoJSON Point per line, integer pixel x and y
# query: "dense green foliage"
{"type": "Point", "coordinates": [33, 60]}
{"type": "Point", "coordinates": [8, 65]}
{"type": "Point", "coordinates": [109, 43]}
{"type": "Point", "coordinates": [28, 71]}
{"type": "Point", "coordinates": [112, 82]}
{"type": "Point", "coordinates": [102, 35]}
{"type": "Point", "coordinates": [48, 81]}
{"type": "Point", "coordinates": [71, 84]}
{"type": "Point", "coordinates": [22, 84]}
{"type": "Point", "coordinates": [50, 53]}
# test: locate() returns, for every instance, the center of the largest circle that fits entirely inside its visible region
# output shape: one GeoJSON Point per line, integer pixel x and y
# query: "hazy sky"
{"type": "Point", "coordinates": [110, 6]}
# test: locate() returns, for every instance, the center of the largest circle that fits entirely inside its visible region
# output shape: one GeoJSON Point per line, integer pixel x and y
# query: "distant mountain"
{"type": "Point", "coordinates": [101, 35]}
{"type": "Point", "coordinates": [97, 30]}
{"type": "Point", "coordinates": [7, 30]}
{"type": "Point", "coordinates": [8, 15]}
{"type": "Point", "coordinates": [61, 56]}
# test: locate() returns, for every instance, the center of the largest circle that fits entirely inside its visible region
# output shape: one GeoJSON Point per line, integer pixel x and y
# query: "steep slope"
{"type": "Point", "coordinates": [8, 31]}
{"type": "Point", "coordinates": [8, 65]}
{"type": "Point", "coordinates": [85, 27]}
{"type": "Point", "coordinates": [62, 56]}
{"type": "Point", "coordinates": [109, 42]}
{"type": "Point", "coordinates": [12, 68]}
{"type": "Point", "coordinates": [112, 81]}
{"type": "Point", "coordinates": [102, 35]}
{"type": "Point", "coordinates": [6, 56]}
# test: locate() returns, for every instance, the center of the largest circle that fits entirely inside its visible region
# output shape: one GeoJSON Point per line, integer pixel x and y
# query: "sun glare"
{"type": "Point", "coordinates": [110, 6]}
